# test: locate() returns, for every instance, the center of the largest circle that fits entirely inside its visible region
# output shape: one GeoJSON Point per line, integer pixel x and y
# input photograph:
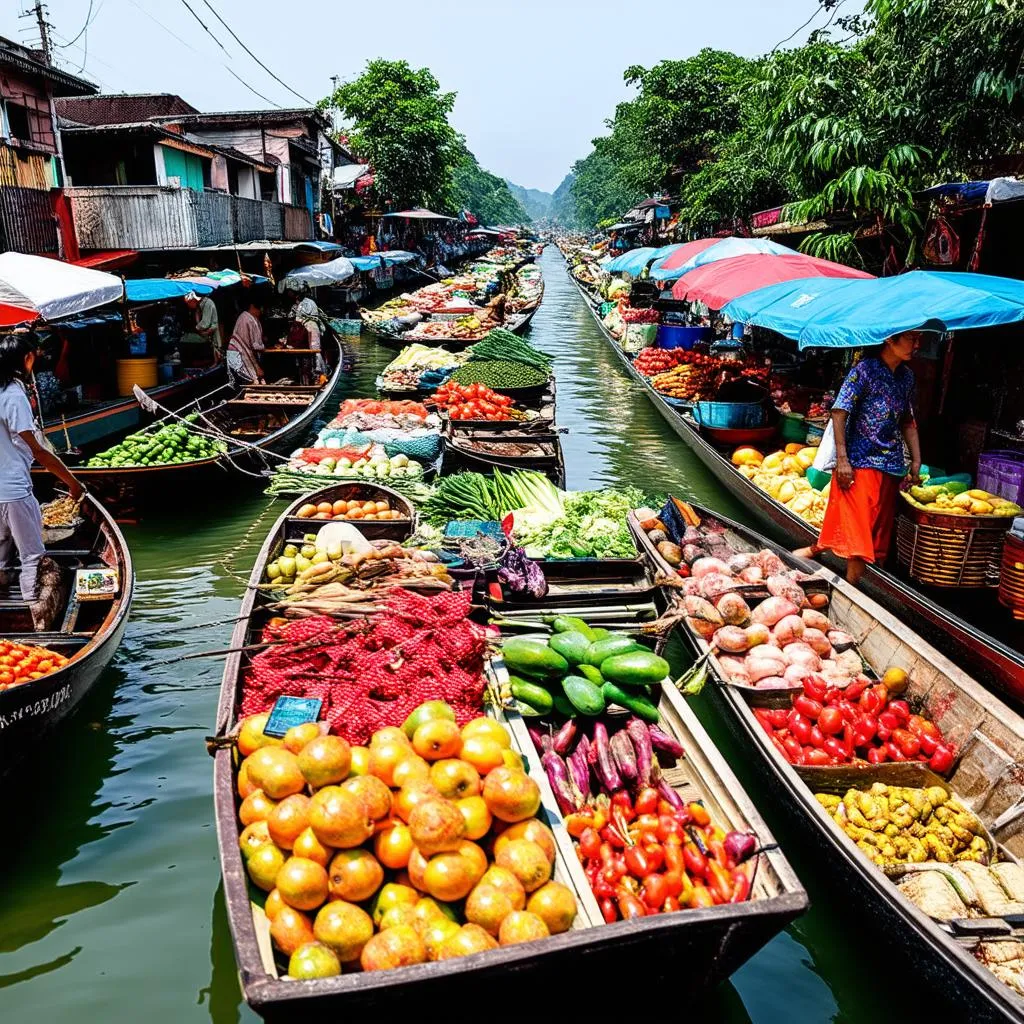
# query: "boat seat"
{"type": "Point", "coordinates": [18, 616]}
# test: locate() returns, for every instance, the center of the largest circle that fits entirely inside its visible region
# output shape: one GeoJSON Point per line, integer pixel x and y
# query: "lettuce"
{"type": "Point", "coordinates": [593, 526]}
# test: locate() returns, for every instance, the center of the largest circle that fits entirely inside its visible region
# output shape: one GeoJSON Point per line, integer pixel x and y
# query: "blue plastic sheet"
{"type": "Point", "coordinates": [632, 262]}
{"type": "Point", "coordinates": [158, 289]}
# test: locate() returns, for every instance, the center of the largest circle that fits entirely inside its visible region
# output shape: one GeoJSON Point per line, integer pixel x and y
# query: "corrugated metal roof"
{"type": "Point", "coordinates": [122, 108]}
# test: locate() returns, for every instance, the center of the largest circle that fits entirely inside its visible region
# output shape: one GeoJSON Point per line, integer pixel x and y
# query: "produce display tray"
{"type": "Point", "coordinates": [384, 529]}
{"type": "Point", "coordinates": [587, 590]}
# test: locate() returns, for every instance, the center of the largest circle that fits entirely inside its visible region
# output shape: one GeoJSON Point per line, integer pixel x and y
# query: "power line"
{"type": "Point", "coordinates": [253, 55]}
{"type": "Point", "coordinates": [84, 28]}
{"type": "Point", "coordinates": [817, 11]}
{"type": "Point", "coordinates": [203, 23]}
{"type": "Point", "coordinates": [251, 89]}
{"type": "Point", "coordinates": [173, 35]}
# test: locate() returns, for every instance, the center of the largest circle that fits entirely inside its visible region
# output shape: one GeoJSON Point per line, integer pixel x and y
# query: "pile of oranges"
{"type": "Point", "coordinates": [423, 845]}
{"type": "Point", "coordinates": [20, 663]}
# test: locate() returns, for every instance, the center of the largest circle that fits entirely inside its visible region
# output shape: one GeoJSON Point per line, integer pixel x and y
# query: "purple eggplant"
{"type": "Point", "coordinates": [669, 794]}
{"type": "Point", "coordinates": [638, 733]}
{"type": "Point", "coordinates": [665, 744]}
{"type": "Point", "coordinates": [541, 740]}
{"type": "Point", "coordinates": [583, 744]}
{"type": "Point", "coordinates": [579, 772]}
{"type": "Point", "coordinates": [625, 757]}
{"type": "Point", "coordinates": [740, 846]}
{"type": "Point", "coordinates": [604, 764]}
{"type": "Point", "coordinates": [564, 737]}
{"type": "Point", "coordinates": [558, 776]}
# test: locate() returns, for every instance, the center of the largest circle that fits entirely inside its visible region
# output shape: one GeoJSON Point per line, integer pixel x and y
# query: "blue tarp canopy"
{"type": "Point", "coordinates": [318, 275]}
{"type": "Point", "coordinates": [364, 263]}
{"type": "Point", "coordinates": [851, 313]}
{"type": "Point", "coordinates": [397, 256]}
{"type": "Point", "coordinates": [158, 289]}
{"type": "Point", "coordinates": [666, 250]}
{"type": "Point", "coordinates": [723, 250]}
{"type": "Point", "coordinates": [632, 262]}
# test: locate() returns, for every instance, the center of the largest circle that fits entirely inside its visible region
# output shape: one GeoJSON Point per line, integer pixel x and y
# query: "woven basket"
{"type": "Point", "coordinates": [1011, 576]}
{"type": "Point", "coordinates": [951, 551]}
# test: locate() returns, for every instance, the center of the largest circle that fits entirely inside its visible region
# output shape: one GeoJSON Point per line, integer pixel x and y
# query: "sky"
{"type": "Point", "coordinates": [535, 80]}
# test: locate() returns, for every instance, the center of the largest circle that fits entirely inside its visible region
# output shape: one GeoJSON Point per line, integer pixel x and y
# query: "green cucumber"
{"type": "Point", "coordinates": [600, 633]}
{"type": "Point", "coordinates": [591, 673]}
{"type": "Point", "coordinates": [640, 706]}
{"type": "Point", "coordinates": [571, 624]}
{"type": "Point", "coordinates": [563, 705]}
{"type": "Point", "coordinates": [529, 693]}
{"type": "Point", "coordinates": [585, 696]}
{"type": "Point", "coordinates": [601, 650]}
{"type": "Point", "coordinates": [634, 668]}
{"type": "Point", "coordinates": [532, 657]}
{"type": "Point", "coordinates": [571, 645]}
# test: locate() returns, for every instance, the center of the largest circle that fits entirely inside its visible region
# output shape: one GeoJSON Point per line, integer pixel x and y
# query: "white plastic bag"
{"type": "Point", "coordinates": [825, 460]}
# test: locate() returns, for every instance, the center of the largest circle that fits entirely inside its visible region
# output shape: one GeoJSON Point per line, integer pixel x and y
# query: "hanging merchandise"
{"type": "Point", "coordinates": [941, 244]}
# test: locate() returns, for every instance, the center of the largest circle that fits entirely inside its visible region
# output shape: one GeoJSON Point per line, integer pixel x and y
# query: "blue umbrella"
{"type": "Point", "coordinates": [632, 262]}
{"type": "Point", "coordinates": [850, 313]}
{"type": "Point", "coordinates": [722, 250]}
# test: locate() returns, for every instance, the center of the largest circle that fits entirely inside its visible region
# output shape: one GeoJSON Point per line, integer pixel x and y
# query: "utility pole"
{"type": "Point", "coordinates": [44, 31]}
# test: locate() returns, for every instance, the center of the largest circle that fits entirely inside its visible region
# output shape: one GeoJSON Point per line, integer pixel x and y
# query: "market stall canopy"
{"type": "Point", "coordinates": [626, 225]}
{"type": "Point", "coordinates": [318, 275]}
{"type": "Point", "coordinates": [720, 282]}
{"type": "Point", "coordinates": [632, 262]}
{"type": "Point", "coordinates": [219, 279]}
{"type": "Point", "coordinates": [397, 256]}
{"type": "Point", "coordinates": [158, 289]}
{"type": "Point", "coordinates": [844, 313]}
{"type": "Point", "coordinates": [418, 213]}
{"type": "Point", "coordinates": [664, 267]}
{"type": "Point", "coordinates": [998, 190]}
{"type": "Point", "coordinates": [38, 288]}
{"type": "Point", "coordinates": [667, 250]}
{"type": "Point", "coordinates": [718, 249]}
{"type": "Point", "coordinates": [345, 175]}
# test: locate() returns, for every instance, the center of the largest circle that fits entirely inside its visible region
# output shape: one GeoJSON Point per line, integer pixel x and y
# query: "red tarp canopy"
{"type": "Point", "coordinates": [684, 253]}
{"type": "Point", "coordinates": [107, 259]}
{"type": "Point", "coordinates": [717, 283]}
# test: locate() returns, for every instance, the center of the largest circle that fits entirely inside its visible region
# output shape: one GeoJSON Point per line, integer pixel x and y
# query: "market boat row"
{"type": "Point", "coordinates": [672, 379]}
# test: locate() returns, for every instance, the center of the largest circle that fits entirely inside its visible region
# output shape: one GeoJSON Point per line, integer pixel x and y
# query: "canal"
{"type": "Point", "coordinates": [113, 909]}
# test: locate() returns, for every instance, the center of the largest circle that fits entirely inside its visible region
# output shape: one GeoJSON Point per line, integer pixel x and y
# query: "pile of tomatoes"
{"type": "Point", "coordinates": [474, 402]}
{"type": "Point", "coordinates": [20, 663]}
{"type": "Point", "coordinates": [829, 725]}
{"type": "Point", "coordinates": [646, 856]}
{"type": "Point", "coordinates": [652, 361]}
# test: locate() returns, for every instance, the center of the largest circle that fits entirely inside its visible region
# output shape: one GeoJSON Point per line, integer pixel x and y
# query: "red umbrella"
{"type": "Point", "coordinates": [685, 252]}
{"type": "Point", "coordinates": [715, 284]}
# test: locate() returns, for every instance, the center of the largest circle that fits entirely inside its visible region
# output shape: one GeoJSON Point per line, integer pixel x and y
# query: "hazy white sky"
{"type": "Point", "coordinates": [535, 79]}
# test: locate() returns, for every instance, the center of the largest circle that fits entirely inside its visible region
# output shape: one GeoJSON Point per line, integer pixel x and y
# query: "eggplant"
{"type": "Point", "coordinates": [625, 757]}
{"type": "Point", "coordinates": [641, 738]}
{"type": "Point", "coordinates": [665, 744]}
{"type": "Point", "coordinates": [558, 776]}
{"type": "Point", "coordinates": [579, 771]}
{"type": "Point", "coordinates": [564, 737]}
{"type": "Point", "coordinates": [541, 740]}
{"type": "Point", "coordinates": [669, 794]}
{"type": "Point", "coordinates": [604, 764]}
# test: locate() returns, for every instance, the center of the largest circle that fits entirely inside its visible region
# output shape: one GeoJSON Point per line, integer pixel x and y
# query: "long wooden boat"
{"type": "Point", "coordinates": [989, 737]}
{"type": "Point", "coordinates": [86, 632]}
{"type": "Point", "coordinates": [991, 660]}
{"type": "Point", "coordinates": [691, 950]}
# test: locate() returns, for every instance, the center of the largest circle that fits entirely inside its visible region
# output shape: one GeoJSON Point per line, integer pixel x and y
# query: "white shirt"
{"type": "Point", "coordinates": [15, 455]}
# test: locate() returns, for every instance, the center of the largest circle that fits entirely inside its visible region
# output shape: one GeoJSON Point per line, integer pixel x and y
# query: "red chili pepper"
{"type": "Point", "coordinates": [622, 801]}
{"type": "Point", "coordinates": [630, 906]}
{"type": "Point", "coordinates": [674, 862]}
{"type": "Point", "coordinates": [865, 728]}
{"type": "Point", "coordinates": [894, 751]}
{"type": "Point", "coordinates": [717, 849]}
{"type": "Point", "coordinates": [878, 755]}
{"type": "Point", "coordinates": [929, 744]}
{"type": "Point", "coordinates": [778, 716]}
{"type": "Point", "coordinates": [646, 824]}
{"type": "Point", "coordinates": [800, 727]}
{"type": "Point", "coordinates": [856, 688]}
{"type": "Point", "coordinates": [794, 750]}
{"type": "Point", "coordinates": [609, 911]}
{"type": "Point", "coordinates": [695, 861]}
{"type": "Point", "coordinates": [814, 756]}
{"type": "Point", "coordinates": [669, 827]}
{"type": "Point", "coordinates": [814, 688]}
{"type": "Point", "coordinates": [655, 891]}
{"type": "Point", "coordinates": [807, 707]}
{"type": "Point", "coordinates": [909, 744]}
{"type": "Point", "coordinates": [835, 749]}
{"type": "Point", "coordinates": [655, 856]}
{"type": "Point", "coordinates": [817, 737]}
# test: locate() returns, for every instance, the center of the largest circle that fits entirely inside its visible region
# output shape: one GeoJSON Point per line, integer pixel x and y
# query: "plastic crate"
{"type": "Point", "coordinates": [1002, 473]}
{"type": "Point", "coordinates": [670, 336]}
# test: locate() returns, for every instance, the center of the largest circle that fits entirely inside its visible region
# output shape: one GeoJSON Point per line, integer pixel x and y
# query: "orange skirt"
{"type": "Point", "coordinates": [858, 521]}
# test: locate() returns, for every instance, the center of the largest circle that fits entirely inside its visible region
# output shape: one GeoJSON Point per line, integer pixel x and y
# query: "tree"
{"type": "Point", "coordinates": [597, 191]}
{"type": "Point", "coordinates": [398, 121]}
{"type": "Point", "coordinates": [485, 194]}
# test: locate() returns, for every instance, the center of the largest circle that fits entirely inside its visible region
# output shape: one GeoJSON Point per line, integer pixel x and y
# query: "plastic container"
{"type": "Point", "coordinates": [817, 478]}
{"type": "Point", "coordinates": [730, 415]}
{"type": "Point", "coordinates": [165, 373]}
{"type": "Point", "coordinates": [682, 337]}
{"type": "Point", "coordinates": [1002, 473]}
{"type": "Point", "coordinates": [136, 371]}
{"type": "Point", "coordinates": [137, 343]}
{"type": "Point", "coordinates": [814, 434]}
{"type": "Point", "coordinates": [793, 427]}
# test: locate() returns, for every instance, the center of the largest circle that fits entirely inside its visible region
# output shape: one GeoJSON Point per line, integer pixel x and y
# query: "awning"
{"type": "Point", "coordinates": [843, 313]}
{"type": "Point", "coordinates": [397, 256]}
{"type": "Point", "coordinates": [159, 289]}
{"type": "Point", "coordinates": [720, 282]}
{"type": "Point", "coordinates": [626, 225]}
{"type": "Point", "coordinates": [364, 263]}
{"type": "Point", "coordinates": [418, 213]}
{"type": "Point", "coordinates": [664, 268]}
{"type": "Point", "coordinates": [345, 175]}
{"type": "Point", "coordinates": [263, 245]}
{"type": "Point", "coordinates": [220, 279]}
{"type": "Point", "coordinates": [38, 288]}
{"type": "Point", "coordinates": [107, 259]}
{"type": "Point", "coordinates": [998, 190]}
{"type": "Point", "coordinates": [632, 262]}
{"type": "Point", "coordinates": [318, 275]}
{"type": "Point", "coordinates": [716, 249]}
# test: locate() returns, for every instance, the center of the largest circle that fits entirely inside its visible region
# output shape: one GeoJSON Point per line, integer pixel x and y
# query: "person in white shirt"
{"type": "Point", "coordinates": [21, 522]}
{"type": "Point", "coordinates": [245, 345]}
{"type": "Point", "coordinates": [207, 322]}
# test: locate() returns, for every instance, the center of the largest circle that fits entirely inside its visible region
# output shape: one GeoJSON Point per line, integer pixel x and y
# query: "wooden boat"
{"type": "Point", "coordinates": [86, 632]}
{"type": "Point", "coordinates": [485, 450]}
{"type": "Point", "coordinates": [990, 739]}
{"type": "Point", "coordinates": [990, 659]}
{"type": "Point", "coordinates": [695, 949]}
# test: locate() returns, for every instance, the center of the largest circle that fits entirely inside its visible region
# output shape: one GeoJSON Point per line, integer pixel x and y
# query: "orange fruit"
{"type": "Point", "coordinates": [250, 734]}
{"type": "Point", "coordinates": [397, 947]}
{"type": "Point", "coordinates": [252, 838]}
{"type": "Point", "coordinates": [290, 929]}
{"type": "Point", "coordinates": [276, 771]}
{"type": "Point", "coordinates": [302, 883]}
{"type": "Point", "coordinates": [521, 926]}
{"type": "Point", "coordinates": [482, 752]}
{"type": "Point", "coordinates": [527, 861]}
{"type": "Point", "coordinates": [299, 735]}
{"type": "Point", "coordinates": [343, 927]}
{"type": "Point", "coordinates": [435, 933]}
{"type": "Point", "coordinates": [409, 796]}
{"type": "Point", "coordinates": [448, 877]}
{"type": "Point", "coordinates": [470, 938]}
{"type": "Point", "coordinates": [437, 739]}
{"type": "Point", "coordinates": [503, 879]}
{"type": "Point", "coordinates": [338, 818]}
{"type": "Point", "coordinates": [476, 857]}
{"type": "Point", "coordinates": [394, 894]}
{"type": "Point", "coordinates": [372, 794]}
{"type": "Point", "coordinates": [288, 820]}
{"type": "Point", "coordinates": [555, 905]}
{"type": "Point", "coordinates": [325, 760]}
{"type": "Point", "coordinates": [385, 757]}
{"type": "Point", "coordinates": [513, 760]}
{"type": "Point", "coordinates": [436, 826]}
{"type": "Point", "coordinates": [255, 807]}
{"type": "Point", "coordinates": [510, 794]}
{"type": "Point", "coordinates": [416, 869]}
{"type": "Point", "coordinates": [265, 862]}
{"type": "Point", "coordinates": [389, 734]}
{"type": "Point", "coordinates": [488, 907]}
{"type": "Point", "coordinates": [245, 785]}
{"type": "Point", "coordinates": [393, 846]}
{"type": "Point", "coordinates": [896, 681]}
{"type": "Point", "coordinates": [313, 960]}
{"type": "Point", "coordinates": [354, 875]}
{"type": "Point", "coordinates": [489, 728]}
{"type": "Point", "coordinates": [455, 778]}
{"type": "Point", "coordinates": [476, 815]}
{"type": "Point", "coordinates": [410, 769]}
{"type": "Point", "coordinates": [532, 829]}
{"type": "Point", "coordinates": [360, 761]}
{"type": "Point", "coordinates": [273, 904]}
{"type": "Point", "coordinates": [307, 845]}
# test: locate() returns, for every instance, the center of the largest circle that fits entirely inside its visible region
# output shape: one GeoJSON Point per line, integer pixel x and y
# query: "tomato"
{"type": "Point", "coordinates": [814, 756]}
{"type": "Point", "coordinates": [942, 760]}
{"type": "Point", "coordinates": [807, 707]}
{"type": "Point", "coordinates": [779, 747]}
{"type": "Point", "coordinates": [630, 906]}
{"type": "Point", "coordinates": [874, 698]}
{"type": "Point", "coordinates": [646, 801]}
{"type": "Point", "coordinates": [864, 729]}
{"type": "Point", "coordinates": [779, 717]}
{"type": "Point", "coordinates": [830, 721]}
{"type": "Point", "coordinates": [609, 911]}
{"type": "Point", "coordinates": [590, 843]}
{"type": "Point", "coordinates": [799, 726]}
{"type": "Point", "coordinates": [655, 891]}
{"type": "Point", "coordinates": [695, 861]}
{"type": "Point", "coordinates": [889, 720]}
{"type": "Point", "coordinates": [909, 744]}
{"type": "Point", "coordinates": [856, 688]}
{"type": "Point", "coordinates": [794, 750]}
{"type": "Point", "coordinates": [900, 708]}
{"type": "Point", "coordinates": [894, 751]}
{"type": "Point", "coordinates": [848, 710]}
{"type": "Point", "coordinates": [814, 688]}
{"type": "Point", "coordinates": [817, 737]}
{"type": "Point", "coordinates": [835, 749]}
{"type": "Point", "coordinates": [878, 755]}
{"type": "Point", "coordinates": [920, 726]}
{"type": "Point", "coordinates": [669, 828]}
{"type": "Point", "coordinates": [637, 862]}
{"type": "Point", "coordinates": [929, 744]}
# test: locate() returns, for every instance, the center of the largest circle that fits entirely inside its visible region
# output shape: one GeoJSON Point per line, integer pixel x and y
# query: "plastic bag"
{"type": "Point", "coordinates": [825, 460]}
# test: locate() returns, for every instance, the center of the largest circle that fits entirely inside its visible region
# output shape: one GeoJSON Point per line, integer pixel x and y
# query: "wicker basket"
{"type": "Point", "coordinates": [1011, 576]}
{"type": "Point", "coordinates": [951, 551]}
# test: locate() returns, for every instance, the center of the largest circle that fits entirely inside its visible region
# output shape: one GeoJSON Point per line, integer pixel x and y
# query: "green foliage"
{"type": "Point", "coordinates": [563, 205]}
{"type": "Point", "coordinates": [598, 193]}
{"type": "Point", "coordinates": [485, 194]}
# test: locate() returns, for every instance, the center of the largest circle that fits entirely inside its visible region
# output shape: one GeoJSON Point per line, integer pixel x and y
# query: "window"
{"type": "Point", "coordinates": [17, 122]}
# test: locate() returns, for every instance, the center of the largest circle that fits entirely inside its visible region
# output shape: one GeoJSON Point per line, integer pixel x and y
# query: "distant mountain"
{"type": "Point", "coordinates": [563, 203]}
{"type": "Point", "coordinates": [536, 203]}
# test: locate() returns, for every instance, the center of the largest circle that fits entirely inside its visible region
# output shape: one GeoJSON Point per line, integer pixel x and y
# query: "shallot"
{"type": "Point", "coordinates": [772, 610]}
{"type": "Point", "coordinates": [707, 565]}
{"type": "Point", "coordinates": [788, 629]}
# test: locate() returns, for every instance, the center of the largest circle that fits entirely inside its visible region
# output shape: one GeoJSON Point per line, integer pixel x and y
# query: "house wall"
{"type": "Point", "coordinates": [89, 160]}
{"type": "Point", "coordinates": [31, 95]}
{"type": "Point", "coordinates": [186, 167]}
{"type": "Point", "coordinates": [28, 170]}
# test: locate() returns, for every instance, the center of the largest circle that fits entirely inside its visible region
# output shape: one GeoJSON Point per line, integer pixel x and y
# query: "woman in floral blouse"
{"type": "Point", "coordinates": [872, 417]}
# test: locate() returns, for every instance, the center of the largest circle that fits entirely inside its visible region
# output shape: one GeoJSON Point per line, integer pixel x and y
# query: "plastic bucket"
{"type": "Point", "coordinates": [165, 373]}
{"type": "Point", "coordinates": [730, 415]}
{"type": "Point", "coordinates": [135, 371]}
{"type": "Point", "coordinates": [793, 427]}
{"type": "Point", "coordinates": [682, 337]}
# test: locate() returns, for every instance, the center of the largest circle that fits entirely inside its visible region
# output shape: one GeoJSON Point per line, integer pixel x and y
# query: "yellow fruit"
{"type": "Point", "coordinates": [385, 757]}
{"type": "Point", "coordinates": [534, 830]}
{"type": "Point", "coordinates": [773, 461]}
{"type": "Point", "coordinates": [389, 734]}
{"type": "Point", "coordinates": [410, 769]}
{"type": "Point", "coordinates": [288, 820]}
{"type": "Point", "coordinates": [307, 845]}
{"type": "Point", "coordinates": [255, 807]}
{"type": "Point", "coordinates": [747, 457]}
{"type": "Point", "coordinates": [313, 960]}
{"type": "Point", "coordinates": [488, 907]}
{"type": "Point", "coordinates": [354, 875]}
{"type": "Point", "coordinates": [393, 895]}
{"type": "Point", "coordinates": [470, 938]}
{"type": "Point", "coordinates": [513, 760]}
{"type": "Point", "coordinates": [527, 861]}
{"type": "Point", "coordinates": [477, 816]}
{"type": "Point", "coordinates": [360, 761]}
{"type": "Point", "coordinates": [264, 864]}
{"type": "Point", "coordinates": [510, 794]}
{"type": "Point", "coordinates": [503, 879]}
{"type": "Point", "coordinates": [436, 933]}
{"type": "Point", "coordinates": [487, 727]}
{"type": "Point", "coordinates": [302, 883]}
{"type": "Point", "coordinates": [252, 838]}
{"type": "Point", "coordinates": [273, 904]}
{"type": "Point", "coordinates": [437, 739]}
{"type": "Point", "coordinates": [245, 785]}
{"type": "Point", "coordinates": [344, 927]}
{"type": "Point", "coordinates": [325, 760]}
{"type": "Point", "coordinates": [290, 929]}
{"type": "Point", "coordinates": [338, 818]}
{"type": "Point", "coordinates": [896, 681]}
{"type": "Point", "coordinates": [483, 752]}
{"type": "Point", "coordinates": [448, 877]}
{"type": "Point", "coordinates": [397, 947]}
{"type": "Point", "coordinates": [299, 735]}
{"type": "Point", "coordinates": [555, 905]}
{"type": "Point", "coordinates": [372, 794]}
{"type": "Point", "coordinates": [412, 794]}
{"type": "Point", "coordinates": [436, 826]}
{"type": "Point", "coordinates": [393, 846]}
{"type": "Point", "coordinates": [521, 926]}
{"type": "Point", "coordinates": [476, 857]}
{"type": "Point", "coordinates": [456, 778]}
{"type": "Point", "coordinates": [250, 735]}
{"type": "Point", "coordinates": [275, 771]}
{"type": "Point", "coordinates": [399, 915]}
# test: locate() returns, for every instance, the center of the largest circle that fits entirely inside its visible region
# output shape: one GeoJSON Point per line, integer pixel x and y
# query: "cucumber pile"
{"type": "Point", "coordinates": [165, 443]}
{"type": "Point", "coordinates": [581, 671]}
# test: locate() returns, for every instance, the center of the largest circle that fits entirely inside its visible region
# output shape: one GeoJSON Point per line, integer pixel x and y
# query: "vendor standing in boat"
{"type": "Point", "coordinates": [244, 346]}
{"type": "Point", "coordinates": [207, 322]}
{"type": "Point", "coordinates": [21, 522]}
{"type": "Point", "coordinates": [872, 417]}
{"type": "Point", "coordinates": [305, 333]}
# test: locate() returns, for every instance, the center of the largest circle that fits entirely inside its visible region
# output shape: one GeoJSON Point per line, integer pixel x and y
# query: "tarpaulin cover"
{"type": "Point", "coordinates": [156, 289]}
{"type": "Point", "coordinates": [418, 213]}
{"type": "Point", "coordinates": [667, 250]}
{"type": "Point", "coordinates": [720, 282]}
{"type": "Point", "coordinates": [397, 256]}
{"type": "Point", "coordinates": [843, 313]}
{"type": "Point", "coordinates": [998, 190]}
{"type": "Point", "coordinates": [632, 262]}
{"type": "Point", "coordinates": [718, 249]}
{"type": "Point", "coordinates": [364, 263]}
{"type": "Point", "coordinates": [664, 268]}
{"type": "Point", "coordinates": [34, 287]}
{"type": "Point", "coordinates": [319, 275]}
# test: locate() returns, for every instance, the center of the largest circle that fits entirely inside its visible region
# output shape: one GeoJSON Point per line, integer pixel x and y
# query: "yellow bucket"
{"type": "Point", "coordinates": [135, 371]}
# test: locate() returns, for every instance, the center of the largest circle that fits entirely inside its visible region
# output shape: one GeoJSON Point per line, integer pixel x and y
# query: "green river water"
{"type": "Point", "coordinates": [112, 908]}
